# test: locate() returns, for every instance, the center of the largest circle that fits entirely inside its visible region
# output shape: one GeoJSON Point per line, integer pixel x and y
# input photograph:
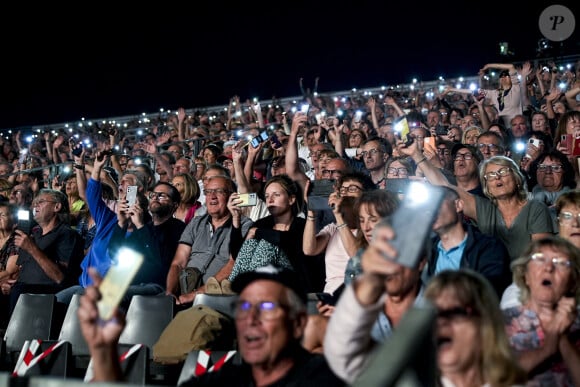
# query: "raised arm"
{"type": "Point", "coordinates": [291, 159]}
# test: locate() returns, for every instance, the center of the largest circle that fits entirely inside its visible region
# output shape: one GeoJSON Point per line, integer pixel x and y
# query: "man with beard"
{"type": "Point", "coordinates": [458, 245]}
{"type": "Point", "coordinates": [157, 239]}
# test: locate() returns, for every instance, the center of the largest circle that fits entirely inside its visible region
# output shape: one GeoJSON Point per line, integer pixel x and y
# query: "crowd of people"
{"type": "Point", "coordinates": [280, 201]}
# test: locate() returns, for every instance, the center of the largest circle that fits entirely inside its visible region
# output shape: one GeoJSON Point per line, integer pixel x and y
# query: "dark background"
{"type": "Point", "coordinates": [99, 61]}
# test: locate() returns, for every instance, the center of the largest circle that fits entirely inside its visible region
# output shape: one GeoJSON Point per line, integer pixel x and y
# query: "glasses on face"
{"type": "Point", "coordinates": [331, 172]}
{"type": "Point", "coordinates": [398, 171]}
{"type": "Point", "coordinates": [265, 310]}
{"type": "Point", "coordinates": [217, 191]}
{"type": "Point", "coordinates": [370, 152]}
{"type": "Point", "coordinates": [492, 148]}
{"type": "Point", "coordinates": [315, 154]}
{"type": "Point", "coordinates": [159, 196]}
{"type": "Point", "coordinates": [443, 151]}
{"type": "Point", "coordinates": [568, 218]}
{"type": "Point", "coordinates": [457, 312]}
{"type": "Point", "coordinates": [463, 156]}
{"type": "Point", "coordinates": [554, 168]}
{"type": "Point", "coordinates": [562, 264]}
{"type": "Point", "coordinates": [41, 202]}
{"type": "Point", "coordinates": [497, 174]}
{"type": "Point", "coordinates": [16, 192]}
{"type": "Point", "coordinates": [350, 189]}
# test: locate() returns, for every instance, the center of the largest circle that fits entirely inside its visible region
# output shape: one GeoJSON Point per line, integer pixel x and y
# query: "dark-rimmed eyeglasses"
{"type": "Point", "coordinates": [463, 156]}
{"type": "Point", "coordinates": [161, 196]}
{"type": "Point", "coordinates": [554, 168]}
{"type": "Point", "coordinates": [458, 312]}
{"type": "Point", "coordinates": [350, 189]}
{"type": "Point", "coordinates": [398, 171]}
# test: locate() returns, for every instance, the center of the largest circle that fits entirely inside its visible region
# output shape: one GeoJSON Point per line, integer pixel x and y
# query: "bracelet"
{"type": "Point", "coordinates": [311, 217]}
{"type": "Point", "coordinates": [341, 226]}
{"type": "Point", "coordinates": [79, 166]}
{"type": "Point", "coordinates": [420, 161]}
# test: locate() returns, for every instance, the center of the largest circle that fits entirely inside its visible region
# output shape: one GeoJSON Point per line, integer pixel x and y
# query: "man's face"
{"type": "Point", "coordinates": [448, 216]}
{"type": "Point", "coordinates": [176, 150]}
{"type": "Point", "coordinates": [462, 167]}
{"type": "Point", "coordinates": [181, 166]}
{"type": "Point", "coordinates": [127, 180]}
{"type": "Point", "coordinates": [373, 156]}
{"type": "Point", "coordinates": [489, 146]}
{"type": "Point", "coordinates": [519, 127]}
{"type": "Point", "coordinates": [216, 196]}
{"type": "Point", "coordinates": [44, 208]}
{"type": "Point", "coordinates": [334, 169]}
{"type": "Point", "coordinates": [444, 155]}
{"type": "Point", "coordinates": [262, 342]}
{"type": "Point", "coordinates": [160, 202]}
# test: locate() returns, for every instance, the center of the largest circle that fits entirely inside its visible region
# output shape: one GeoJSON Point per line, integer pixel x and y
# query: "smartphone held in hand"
{"type": "Point", "coordinates": [117, 280]}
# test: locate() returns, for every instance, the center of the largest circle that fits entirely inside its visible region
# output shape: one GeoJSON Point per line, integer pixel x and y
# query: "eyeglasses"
{"type": "Point", "coordinates": [568, 218]}
{"type": "Point", "coordinates": [398, 171]}
{"type": "Point", "coordinates": [350, 189]}
{"type": "Point", "coordinates": [561, 264]}
{"type": "Point", "coordinates": [554, 168]}
{"type": "Point", "coordinates": [330, 172]}
{"type": "Point", "coordinates": [314, 154]}
{"type": "Point", "coordinates": [463, 156]}
{"type": "Point", "coordinates": [41, 201]}
{"type": "Point", "coordinates": [490, 147]}
{"type": "Point", "coordinates": [159, 196]}
{"type": "Point", "coordinates": [266, 310]}
{"type": "Point", "coordinates": [455, 313]}
{"type": "Point", "coordinates": [370, 152]}
{"type": "Point", "coordinates": [17, 192]}
{"type": "Point", "coordinates": [497, 174]}
{"type": "Point", "coordinates": [443, 151]}
{"type": "Point", "coordinates": [217, 191]}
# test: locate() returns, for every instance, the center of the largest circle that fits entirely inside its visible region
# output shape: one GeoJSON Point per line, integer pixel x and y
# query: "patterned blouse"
{"type": "Point", "coordinates": [7, 250]}
{"type": "Point", "coordinates": [525, 333]}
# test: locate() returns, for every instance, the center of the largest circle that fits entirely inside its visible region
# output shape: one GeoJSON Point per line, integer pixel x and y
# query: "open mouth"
{"type": "Point", "coordinates": [443, 341]}
{"type": "Point", "coordinates": [546, 282]}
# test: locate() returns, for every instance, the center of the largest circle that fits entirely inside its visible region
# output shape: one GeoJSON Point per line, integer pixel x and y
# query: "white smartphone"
{"type": "Point", "coordinates": [117, 280]}
{"type": "Point", "coordinates": [248, 199]}
{"type": "Point", "coordinates": [131, 195]}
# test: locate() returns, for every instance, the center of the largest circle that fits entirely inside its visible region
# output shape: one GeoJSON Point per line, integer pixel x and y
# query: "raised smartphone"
{"type": "Point", "coordinates": [131, 195]}
{"type": "Point", "coordinates": [248, 199]}
{"type": "Point", "coordinates": [117, 280]}
{"type": "Point", "coordinates": [413, 220]}
{"type": "Point", "coordinates": [24, 224]}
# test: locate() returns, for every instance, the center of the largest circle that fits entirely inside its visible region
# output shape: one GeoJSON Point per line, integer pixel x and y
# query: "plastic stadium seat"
{"type": "Point", "coordinates": [147, 317]}
{"type": "Point", "coordinates": [71, 331]}
{"type": "Point", "coordinates": [31, 319]}
{"type": "Point", "coordinates": [223, 303]}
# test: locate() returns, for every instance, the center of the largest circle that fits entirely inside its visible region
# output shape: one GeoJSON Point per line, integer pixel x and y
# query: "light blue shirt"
{"type": "Point", "coordinates": [450, 259]}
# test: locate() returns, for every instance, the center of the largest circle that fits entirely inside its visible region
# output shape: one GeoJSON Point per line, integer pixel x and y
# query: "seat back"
{"type": "Point", "coordinates": [31, 319]}
{"type": "Point", "coordinates": [147, 317]}
{"type": "Point", "coordinates": [71, 329]}
{"type": "Point", "coordinates": [200, 362]}
{"type": "Point", "coordinates": [223, 303]}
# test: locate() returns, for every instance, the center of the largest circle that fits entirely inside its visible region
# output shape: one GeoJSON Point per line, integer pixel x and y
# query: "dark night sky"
{"type": "Point", "coordinates": [98, 62]}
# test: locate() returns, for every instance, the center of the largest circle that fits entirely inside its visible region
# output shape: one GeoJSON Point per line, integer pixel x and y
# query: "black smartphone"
{"type": "Point", "coordinates": [77, 149]}
{"type": "Point", "coordinates": [275, 141]}
{"type": "Point", "coordinates": [413, 220]}
{"type": "Point", "coordinates": [321, 187]}
{"type": "Point", "coordinates": [326, 298]}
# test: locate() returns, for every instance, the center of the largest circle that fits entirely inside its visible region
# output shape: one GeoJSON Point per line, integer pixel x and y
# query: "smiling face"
{"type": "Point", "coordinates": [547, 281]}
{"type": "Point", "coordinates": [457, 332]}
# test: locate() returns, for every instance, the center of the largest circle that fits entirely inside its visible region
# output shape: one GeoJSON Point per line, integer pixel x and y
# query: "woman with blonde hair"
{"type": "Point", "coordinates": [189, 190]}
{"type": "Point", "coordinates": [472, 344]}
